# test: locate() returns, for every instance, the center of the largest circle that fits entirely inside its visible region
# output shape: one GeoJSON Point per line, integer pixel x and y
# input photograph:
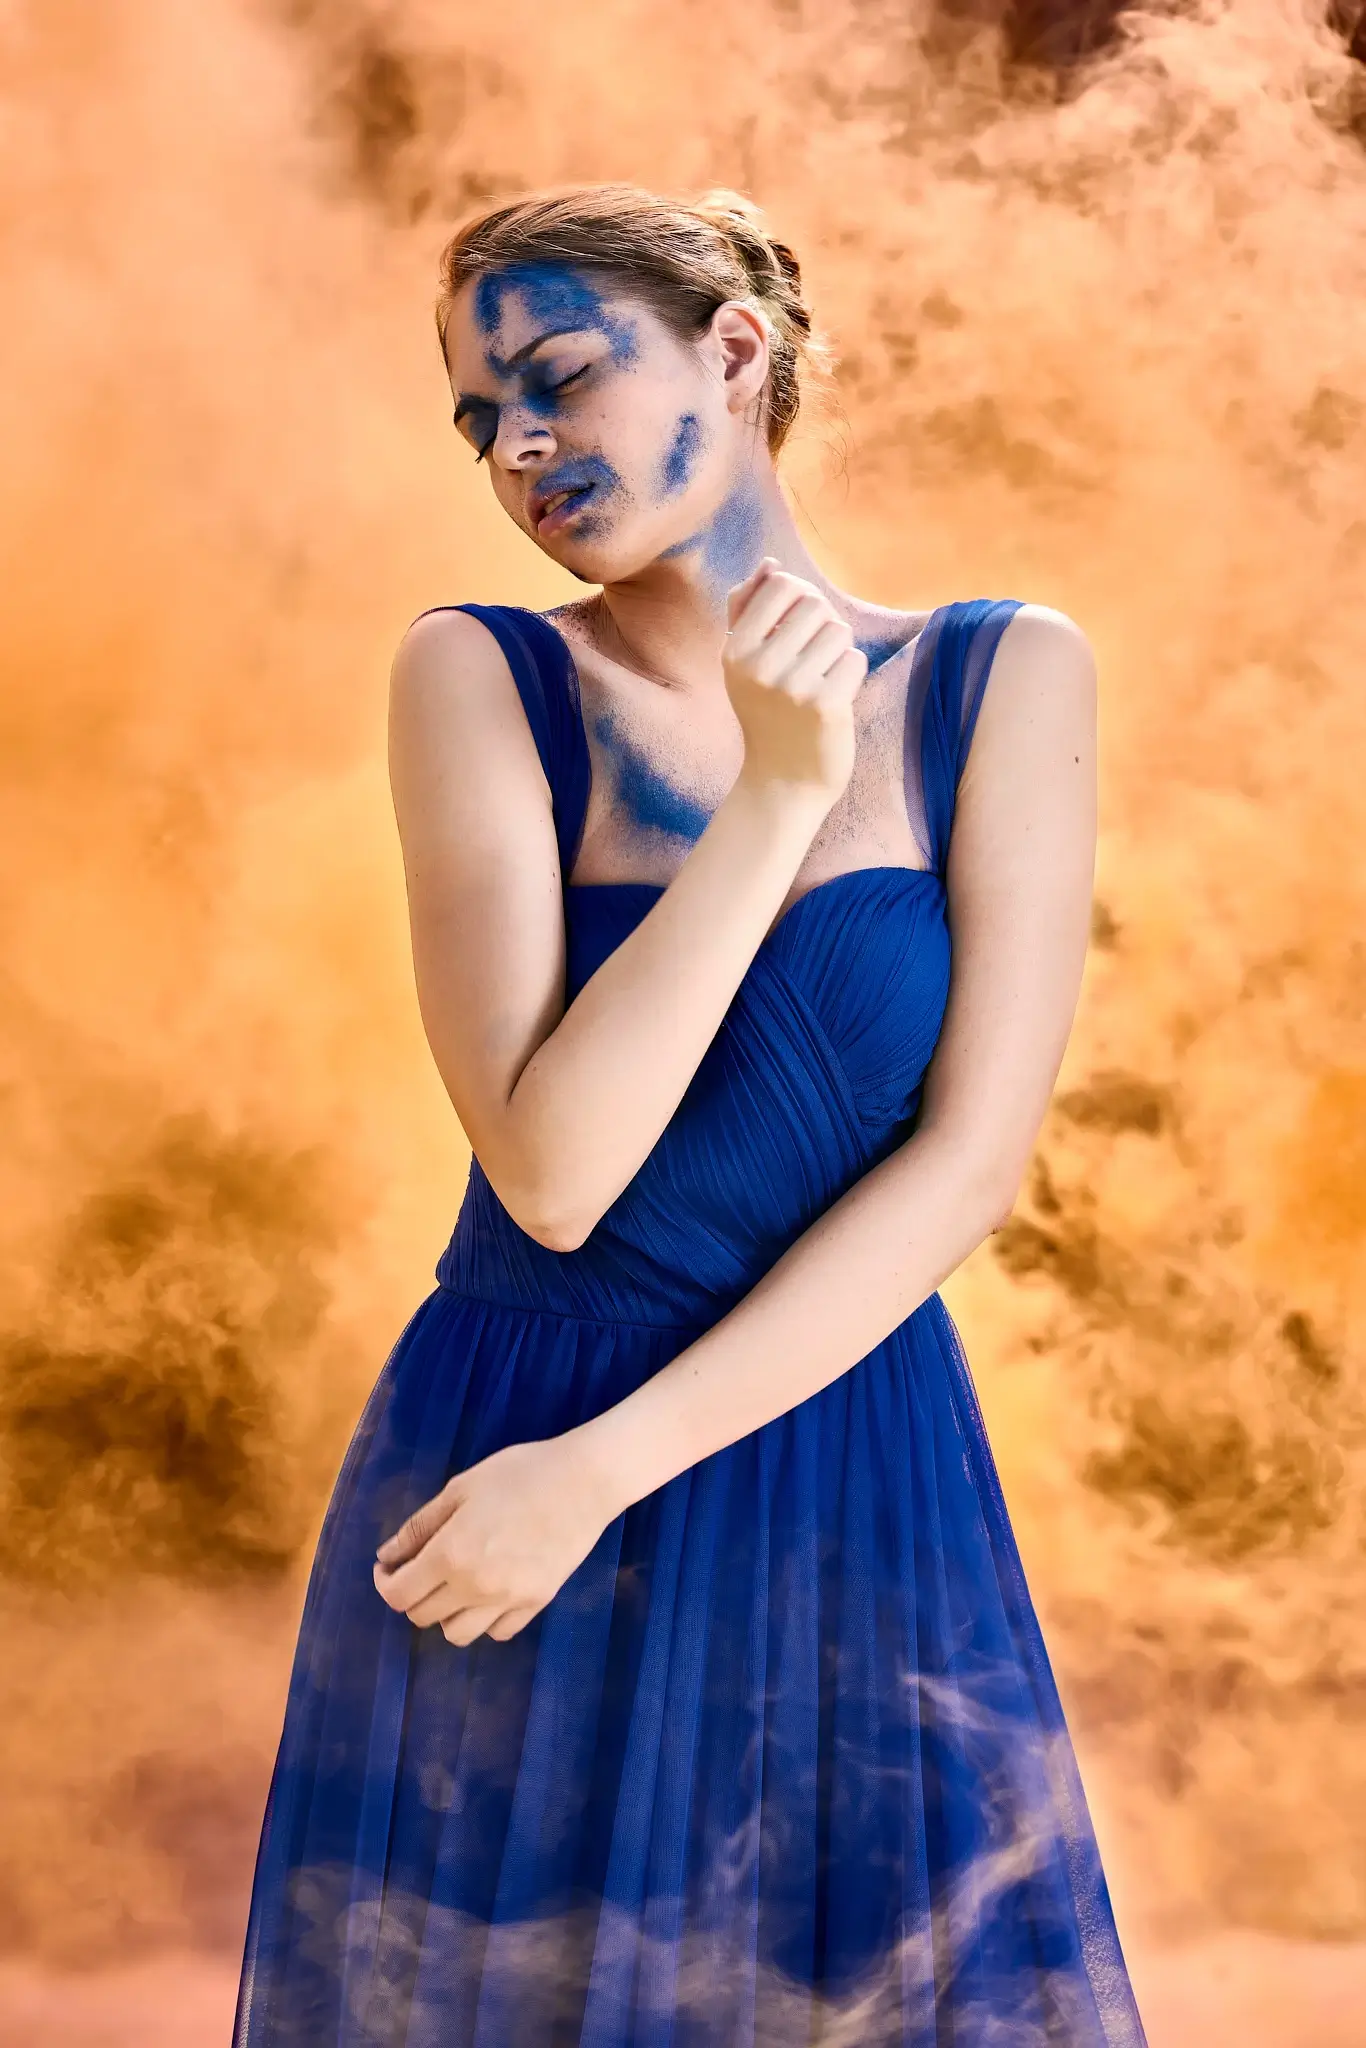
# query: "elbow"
{"type": "Point", "coordinates": [1000, 1194]}
{"type": "Point", "coordinates": [995, 1190]}
{"type": "Point", "coordinates": [537, 1210]}
{"type": "Point", "coordinates": [557, 1233]}
{"type": "Point", "coordinates": [532, 1188]}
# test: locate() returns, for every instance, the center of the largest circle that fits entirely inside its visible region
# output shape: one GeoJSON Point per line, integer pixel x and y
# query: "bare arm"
{"type": "Point", "coordinates": [562, 1106]}
{"type": "Point", "coordinates": [1021, 868]}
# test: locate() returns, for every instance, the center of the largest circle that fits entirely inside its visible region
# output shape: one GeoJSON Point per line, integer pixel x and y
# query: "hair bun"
{"type": "Point", "coordinates": [767, 260]}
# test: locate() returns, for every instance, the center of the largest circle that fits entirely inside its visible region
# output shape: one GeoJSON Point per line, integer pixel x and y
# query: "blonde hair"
{"type": "Point", "coordinates": [681, 258]}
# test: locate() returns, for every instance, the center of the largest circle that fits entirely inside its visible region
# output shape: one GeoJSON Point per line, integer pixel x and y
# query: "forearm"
{"type": "Point", "coordinates": [594, 1098]}
{"type": "Point", "coordinates": [844, 1286]}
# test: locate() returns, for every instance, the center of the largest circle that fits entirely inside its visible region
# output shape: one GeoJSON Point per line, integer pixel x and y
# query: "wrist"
{"type": "Point", "coordinates": [778, 811]}
{"type": "Point", "coordinates": [603, 1467]}
{"type": "Point", "coordinates": [616, 1461]}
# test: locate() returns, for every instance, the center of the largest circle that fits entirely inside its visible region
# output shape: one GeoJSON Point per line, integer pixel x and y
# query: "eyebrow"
{"type": "Point", "coordinates": [471, 401]}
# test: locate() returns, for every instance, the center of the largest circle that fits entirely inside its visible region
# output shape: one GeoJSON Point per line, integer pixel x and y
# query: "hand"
{"type": "Point", "coordinates": [499, 1540]}
{"type": "Point", "coordinates": [792, 672]}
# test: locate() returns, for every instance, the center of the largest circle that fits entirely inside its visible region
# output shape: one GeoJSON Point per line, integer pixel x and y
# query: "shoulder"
{"type": "Point", "coordinates": [442, 643]}
{"type": "Point", "coordinates": [455, 694]}
{"type": "Point", "coordinates": [1038, 639]}
{"type": "Point", "coordinates": [451, 678]}
{"type": "Point", "coordinates": [1042, 667]}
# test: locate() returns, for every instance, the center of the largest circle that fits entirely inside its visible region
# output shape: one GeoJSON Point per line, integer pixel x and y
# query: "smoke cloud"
{"type": "Point", "coordinates": [1091, 274]}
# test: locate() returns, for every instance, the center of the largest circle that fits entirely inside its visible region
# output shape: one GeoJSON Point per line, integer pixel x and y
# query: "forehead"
{"type": "Point", "coordinates": [503, 310]}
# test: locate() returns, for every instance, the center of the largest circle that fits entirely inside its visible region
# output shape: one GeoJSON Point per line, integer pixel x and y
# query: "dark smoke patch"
{"type": "Point", "coordinates": [398, 114]}
{"type": "Point", "coordinates": [1119, 1101]}
{"type": "Point", "coordinates": [1347, 18]}
{"type": "Point", "coordinates": [143, 1424]}
{"type": "Point", "coordinates": [1214, 1413]}
{"type": "Point", "coordinates": [1224, 1491]}
{"type": "Point", "coordinates": [1053, 35]}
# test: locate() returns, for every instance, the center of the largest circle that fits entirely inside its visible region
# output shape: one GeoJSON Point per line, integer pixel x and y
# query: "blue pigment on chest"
{"type": "Point", "coordinates": [647, 798]}
{"type": "Point", "coordinates": [881, 647]}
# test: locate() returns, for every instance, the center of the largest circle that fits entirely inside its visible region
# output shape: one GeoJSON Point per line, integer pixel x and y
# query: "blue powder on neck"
{"type": "Point", "coordinates": [732, 541]}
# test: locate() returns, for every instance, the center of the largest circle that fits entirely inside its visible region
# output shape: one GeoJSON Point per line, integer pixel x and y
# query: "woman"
{"type": "Point", "coordinates": [667, 1674]}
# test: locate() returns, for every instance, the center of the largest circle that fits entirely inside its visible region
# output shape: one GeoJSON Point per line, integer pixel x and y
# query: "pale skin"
{"type": "Point", "coordinates": [755, 689]}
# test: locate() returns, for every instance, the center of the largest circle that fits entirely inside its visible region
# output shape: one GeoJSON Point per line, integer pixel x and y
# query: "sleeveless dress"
{"type": "Point", "coordinates": [783, 1762]}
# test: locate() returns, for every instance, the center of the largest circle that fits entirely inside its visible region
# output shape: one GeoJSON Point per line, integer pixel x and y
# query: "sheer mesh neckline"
{"type": "Point", "coordinates": [881, 869]}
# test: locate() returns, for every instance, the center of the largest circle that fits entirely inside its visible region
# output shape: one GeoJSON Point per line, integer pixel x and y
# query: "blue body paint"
{"type": "Point", "coordinates": [680, 458]}
{"type": "Point", "coordinates": [555, 295]}
{"type": "Point", "coordinates": [595, 477]}
{"type": "Point", "coordinates": [647, 799]}
{"type": "Point", "coordinates": [881, 648]}
{"type": "Point", "coordinates": [732, 541]}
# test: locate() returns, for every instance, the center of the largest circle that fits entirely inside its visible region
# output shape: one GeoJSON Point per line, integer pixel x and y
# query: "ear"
{"type": "Point", "coordinates": [741, 340]}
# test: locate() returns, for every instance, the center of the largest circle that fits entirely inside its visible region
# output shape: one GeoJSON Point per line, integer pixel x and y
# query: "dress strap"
{"type": "Point", "coordinates": [960, 641]}
{"type": "Point", "coordinates": [548, 685]}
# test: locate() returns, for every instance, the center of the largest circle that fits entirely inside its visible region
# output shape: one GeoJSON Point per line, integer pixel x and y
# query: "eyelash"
{"type": "Point", "coordinates": [563, 385]}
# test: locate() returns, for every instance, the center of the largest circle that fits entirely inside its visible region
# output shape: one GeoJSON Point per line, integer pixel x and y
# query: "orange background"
{"type": "Point", "coordinates": [1099, 321]}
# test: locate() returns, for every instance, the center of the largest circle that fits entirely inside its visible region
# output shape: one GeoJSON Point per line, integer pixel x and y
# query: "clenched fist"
{"type": "Point", "coordinates": [792, 672]}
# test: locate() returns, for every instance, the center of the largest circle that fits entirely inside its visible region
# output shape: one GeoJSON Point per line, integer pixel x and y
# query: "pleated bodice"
{"type": "Point", "coordinates": [816, 1071]}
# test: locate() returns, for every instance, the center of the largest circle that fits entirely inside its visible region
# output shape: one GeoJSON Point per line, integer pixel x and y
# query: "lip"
{"type": "Point", "coordinates": [560, 515]}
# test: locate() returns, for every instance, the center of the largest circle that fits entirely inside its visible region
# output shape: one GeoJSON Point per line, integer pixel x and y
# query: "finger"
{"type": "Point", "coordinates": [737, 597]}
{"type": "Point", "coordinates": [511, 1623]}
{"type": "Point", "coordinates": [420, 1527]}
{"type": "Point", "coordinates": [764, 607]}
{"type": "Point", "coordinates": [805, 675]}
{"type": "Point", "coordinates": [792, 638]}
{"type": "Point", "coordinates": [462, 1628]}
{"type": "Point", "coordinates": [417, 1580]}
{"type": "Point", "coordinates": [844, 678]}
{"type": "Point", "coordinates": [438, 1606]}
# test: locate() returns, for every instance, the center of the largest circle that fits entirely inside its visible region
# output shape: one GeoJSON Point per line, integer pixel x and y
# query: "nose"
{"type": "Point", "coordinates": [522, 441]}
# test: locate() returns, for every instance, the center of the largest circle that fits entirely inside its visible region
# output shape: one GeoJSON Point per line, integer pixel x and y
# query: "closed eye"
{"type": "Point", "coordinates": [543, 390]}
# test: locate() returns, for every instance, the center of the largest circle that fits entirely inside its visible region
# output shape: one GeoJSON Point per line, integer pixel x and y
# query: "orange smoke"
{"type": "Point", "coordinates": [1092, 275]}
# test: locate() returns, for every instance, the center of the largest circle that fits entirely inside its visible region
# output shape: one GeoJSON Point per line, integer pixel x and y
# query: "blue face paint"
{"type": "Point", "coordinates": [555, 297]}
{"type": "Point", "coordinates": [732, 541]}
{"type": "Point", "coordinates": [647, 799]}
{"type": "Point", "coordinates": [595, 479]}
{"type": "Point", "coordinates": [680, 458]}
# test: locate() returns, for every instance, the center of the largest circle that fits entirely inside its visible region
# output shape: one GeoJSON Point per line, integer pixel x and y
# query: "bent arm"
{"type": "Point", "coordinates": [560, 1106]}
{"type": "Point", "coordinates": [1021, 868]}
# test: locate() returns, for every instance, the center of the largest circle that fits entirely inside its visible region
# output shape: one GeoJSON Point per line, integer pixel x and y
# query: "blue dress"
{"type": "Point", "coordinates": [783, 1762]}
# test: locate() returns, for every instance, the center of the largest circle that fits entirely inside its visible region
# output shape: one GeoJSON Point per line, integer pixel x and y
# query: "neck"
{"type": "Point", "coordinates": [668, 620]}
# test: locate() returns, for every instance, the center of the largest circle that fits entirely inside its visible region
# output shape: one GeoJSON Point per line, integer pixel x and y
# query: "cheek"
{"type": "Point", "coordinates": [681, 456]}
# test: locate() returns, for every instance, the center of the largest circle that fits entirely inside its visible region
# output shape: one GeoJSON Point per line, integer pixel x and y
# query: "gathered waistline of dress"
{"type": "Point", "coordinates": [690, 1328]}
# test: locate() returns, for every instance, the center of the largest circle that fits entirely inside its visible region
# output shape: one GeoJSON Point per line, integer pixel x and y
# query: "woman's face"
{"type": "Point", "coordinates": [609, 441]}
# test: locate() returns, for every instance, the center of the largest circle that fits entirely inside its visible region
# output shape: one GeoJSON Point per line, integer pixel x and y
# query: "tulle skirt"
{"type": "Point", "coordinates": [782, 1763]}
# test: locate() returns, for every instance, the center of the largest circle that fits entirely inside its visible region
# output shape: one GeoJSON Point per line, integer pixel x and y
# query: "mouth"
{"type": "Point", "coordinates": [556, 509]}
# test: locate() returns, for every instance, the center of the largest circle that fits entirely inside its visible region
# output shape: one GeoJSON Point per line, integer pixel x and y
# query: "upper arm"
{"type": "Point", "coordinates": [482, 870]}
{"type": "Point", "coordinates": [1021, 870]}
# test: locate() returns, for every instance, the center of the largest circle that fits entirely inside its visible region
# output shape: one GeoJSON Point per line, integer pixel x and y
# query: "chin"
{"type": "Point", "coordinates": [600, 558]}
